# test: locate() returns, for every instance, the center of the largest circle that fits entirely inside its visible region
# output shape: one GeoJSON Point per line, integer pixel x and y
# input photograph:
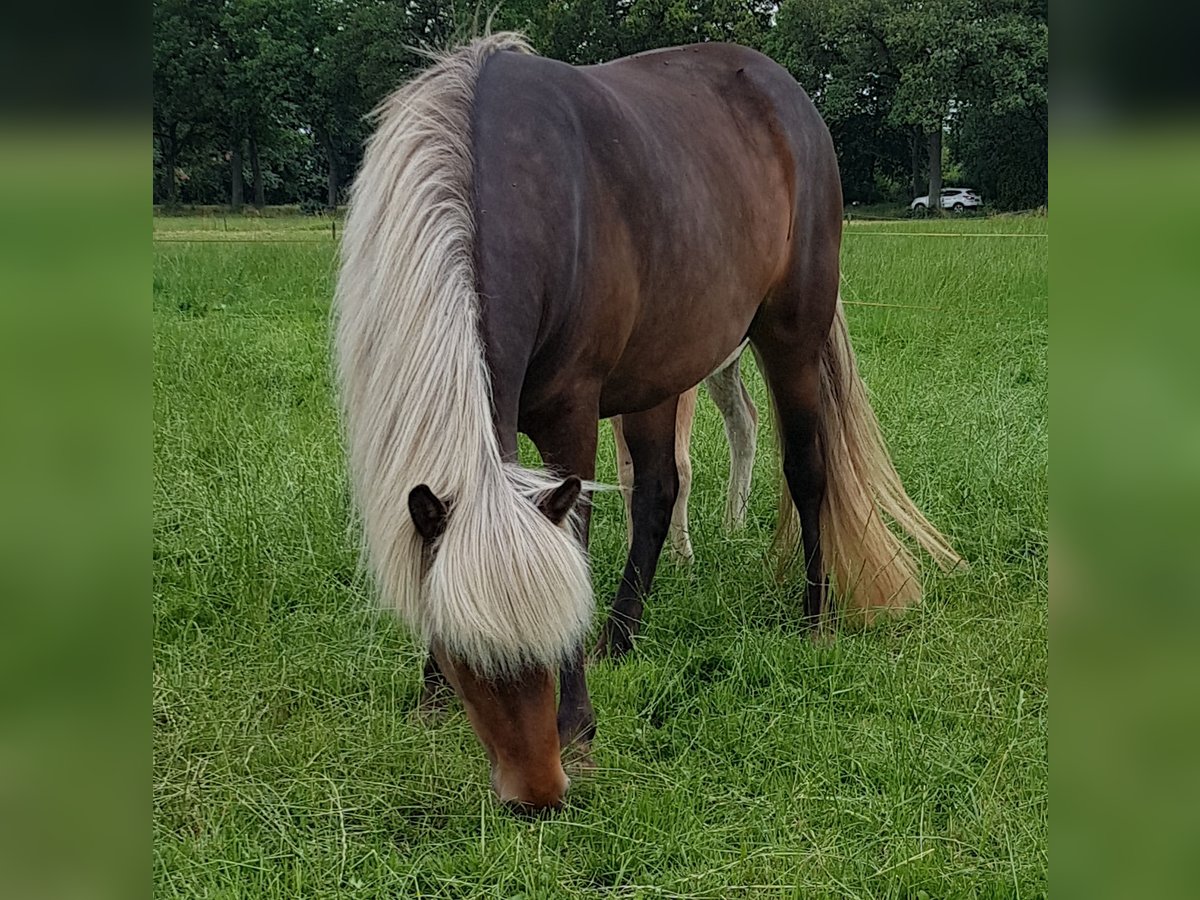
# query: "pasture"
{"type": "Point", "coordinates": [736, 757]}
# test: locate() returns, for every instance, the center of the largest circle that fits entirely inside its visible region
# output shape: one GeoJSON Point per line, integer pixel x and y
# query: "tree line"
{"type": "Point", "coordinates": [265, 101]}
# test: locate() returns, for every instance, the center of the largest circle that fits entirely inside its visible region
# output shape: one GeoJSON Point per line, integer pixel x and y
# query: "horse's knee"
{"type": "Point", "coordinates": [683, 478]}
{"type": "Point", "coordinates": [681, 542]}
{"type": "Point", "coordinates": [668, 489]}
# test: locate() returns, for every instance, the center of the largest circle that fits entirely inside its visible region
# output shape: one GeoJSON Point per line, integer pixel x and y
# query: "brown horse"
{"type": "Point", "coordinates": [532, 247]}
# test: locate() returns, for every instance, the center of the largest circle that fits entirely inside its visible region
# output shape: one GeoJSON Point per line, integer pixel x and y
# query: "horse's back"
{"type": "Point", "coordinates": [651, 201]}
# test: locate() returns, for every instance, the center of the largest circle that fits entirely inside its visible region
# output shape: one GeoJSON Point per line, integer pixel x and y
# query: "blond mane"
{"type": "Point", "coordinates": [505, 588]}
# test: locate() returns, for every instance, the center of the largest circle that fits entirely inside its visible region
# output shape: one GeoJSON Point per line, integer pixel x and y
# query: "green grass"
{"type": "Point", "coordinates": [736, 757]}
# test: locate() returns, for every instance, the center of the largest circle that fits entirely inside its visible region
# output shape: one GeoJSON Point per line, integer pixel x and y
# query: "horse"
{"type": "Point", "coordinates": [532, 247]}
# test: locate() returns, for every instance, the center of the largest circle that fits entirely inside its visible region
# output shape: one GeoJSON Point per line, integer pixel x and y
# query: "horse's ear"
{"type": "Point", "coordinates": [428, 512]}
{"type": "Point", "coordinates": [557, 503]}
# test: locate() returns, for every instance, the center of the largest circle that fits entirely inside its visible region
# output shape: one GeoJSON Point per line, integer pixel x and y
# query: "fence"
{"type": "Point", "coordinates": [331, 240]}
{"type": "Point", "coordinates": [854, 232]}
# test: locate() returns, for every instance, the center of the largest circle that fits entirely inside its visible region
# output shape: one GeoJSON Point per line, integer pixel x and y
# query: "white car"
{"type": "Point", "coordinates": [957, 199]}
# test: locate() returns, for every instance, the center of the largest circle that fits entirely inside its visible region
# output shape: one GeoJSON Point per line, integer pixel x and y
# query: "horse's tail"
{"type": "Point", "coordinates": [502, 587]}
{"type": "Point", "coordinates": [871, 567]}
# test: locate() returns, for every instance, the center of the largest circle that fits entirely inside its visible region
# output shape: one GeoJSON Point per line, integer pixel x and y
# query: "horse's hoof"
{"type": "Point", "coordinates": [428, 717]}
{"type": "Point", "coordinates": [432, 708]}
{"type": "Point", "coordinates": [577, 759]}
{"type": "Point", "coordinates": [610, 649]}
{"type": "Point", "coordinates": [821, 636]}
{"type": "Point", "coordinates": [683, 554]}
{"type": "Point", "coordinates": [577, 731]}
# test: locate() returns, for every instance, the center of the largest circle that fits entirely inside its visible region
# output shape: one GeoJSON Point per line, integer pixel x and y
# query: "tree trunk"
{"type": "Point", "coordinates": [237, 191]}
{"type": "Point", "coordinates": [171, 161]}
{"type": "Point", "coordinates": [260, 199]}
{"type": "Point", "coordinates": [172, 184]}
{"type": "Point", "coordinates": [916, 142]}
{"type": "Point", "coordinates": [333, 175]}
{"type": "Point", "coordinates": [935, 171]}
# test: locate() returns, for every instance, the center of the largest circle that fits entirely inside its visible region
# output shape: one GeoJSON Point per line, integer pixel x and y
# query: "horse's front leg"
{"type": "Point", "coordinates": [436, 692]}
{"type": "Point", "coordinates": [568, 446]}
{"type": "Point", "coordinates": [650, 436]}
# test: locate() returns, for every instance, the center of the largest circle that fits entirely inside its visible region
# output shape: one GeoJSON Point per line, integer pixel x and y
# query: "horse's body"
{"type": "Point", "coordinates": [661, 184]}
{"type": "Point", "coordinates": [532, 247]}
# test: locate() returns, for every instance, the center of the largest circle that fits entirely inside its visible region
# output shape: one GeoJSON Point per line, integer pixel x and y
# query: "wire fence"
{"type": "Point", "coordinates": [331, 239]}
{"type": "Point", "coordinates": [174, 238]}
{"type": "Point", "coordinates": [168, 236]}
{"type": "Point", "coordinates": [262, 240]}
{"type": "Point", "coordinates": [276, 236]}
{"type": "Point", "coordinates": [851, 214]}
{"type": "Point", "coordinates": [956, 234]}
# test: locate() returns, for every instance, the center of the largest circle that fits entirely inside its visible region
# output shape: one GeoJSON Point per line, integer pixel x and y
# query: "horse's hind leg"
{"type": "Point", "coordinates": [681, 541]}
{"type": "Point", "coordinates": [796, 391]}
{"type": "Point", "coordinates": [650, 436]}
{"type": "Point", "coordinates": [624, 476]}
{"type": "Point", "coordinates": [789, 334]}
{"type": "Point", "coordinates": [741, 431]}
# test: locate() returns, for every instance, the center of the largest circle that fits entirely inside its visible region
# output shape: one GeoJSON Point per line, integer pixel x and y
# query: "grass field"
{"type": "Point", "coordinates": [735, 757]}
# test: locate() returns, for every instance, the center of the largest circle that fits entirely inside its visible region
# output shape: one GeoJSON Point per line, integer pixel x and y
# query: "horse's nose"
{"type": "Point", "coordinates": [531, 795]}
{"type": "Point", "coordinates": [530, 810]}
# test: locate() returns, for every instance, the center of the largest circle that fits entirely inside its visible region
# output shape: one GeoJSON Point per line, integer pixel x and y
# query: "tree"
{"type": "Point", "coordinates": [344, 58]}
{"type": "Point", "coordinates": [281, 88]}
{"type": "Point", "coordinates": [595, 31]}
{"type": "Point", "coordinates": [260, 44]}
{"type": "Point", "coordinates": [211, 81]}
{"type": "Point", "coordinates": [916, 64]}
{"type": "Point", "coordinates": [582, 33]}
{"type": "Point", "coordinates": [184, 73]}
{"type": "Point", "coordinates": [663, 23]}
{"type": "Point", "coordinates": [1001, 132]}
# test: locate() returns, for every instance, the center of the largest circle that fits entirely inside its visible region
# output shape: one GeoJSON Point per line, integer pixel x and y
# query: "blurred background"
{"type": "Point", "coordinates": [84, 158]}
{"type": "Point", "coordinates": [1125, 465]}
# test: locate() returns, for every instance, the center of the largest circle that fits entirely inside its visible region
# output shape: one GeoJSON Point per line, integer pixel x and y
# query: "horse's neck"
{"type": "Point", "coordinates": [507, 348]}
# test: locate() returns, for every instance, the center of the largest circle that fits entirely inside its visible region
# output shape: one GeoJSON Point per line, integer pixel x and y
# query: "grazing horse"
{"type": "Point", "coordinates": [532, 247]}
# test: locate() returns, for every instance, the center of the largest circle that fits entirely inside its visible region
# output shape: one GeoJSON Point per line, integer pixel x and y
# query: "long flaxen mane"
{"type": "Point", "coordinates": [504, 587]}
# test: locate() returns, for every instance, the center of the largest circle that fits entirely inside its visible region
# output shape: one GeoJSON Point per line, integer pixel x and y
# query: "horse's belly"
{"type": "Point", "coordinates": [669, 361]}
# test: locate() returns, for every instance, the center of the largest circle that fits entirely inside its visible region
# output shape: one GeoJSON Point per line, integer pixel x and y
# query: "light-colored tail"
{"type": "Point", "coordinates": [502, 587]}
{"type": "Point", "coordinates": [871, 567]}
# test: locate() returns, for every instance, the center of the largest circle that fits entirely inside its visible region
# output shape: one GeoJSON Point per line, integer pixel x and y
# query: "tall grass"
{"type": "Point", "coordinates": [736, 758]}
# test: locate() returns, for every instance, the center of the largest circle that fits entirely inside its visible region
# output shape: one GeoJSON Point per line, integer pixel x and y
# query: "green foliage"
{"type": "Point", "coordinates": [298, 77]}
{"type": "Point", "coordinates": [883, 70]}
{"type": "Point", "coordinates": [595, 31]}
{"type": "Point", "coordinates": [736, 758]}
{"type": "Point", "coordinates": [1005, 157]}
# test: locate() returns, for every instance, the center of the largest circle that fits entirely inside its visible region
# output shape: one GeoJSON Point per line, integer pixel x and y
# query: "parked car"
{"type": "Point", "coordinates": [957, 199]}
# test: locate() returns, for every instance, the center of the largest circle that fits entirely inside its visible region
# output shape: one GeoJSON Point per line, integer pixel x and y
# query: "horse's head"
{"type": "Point", "coordinates": [513, 713]}
{"type": "Point", "coordinates": [514, 717]}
